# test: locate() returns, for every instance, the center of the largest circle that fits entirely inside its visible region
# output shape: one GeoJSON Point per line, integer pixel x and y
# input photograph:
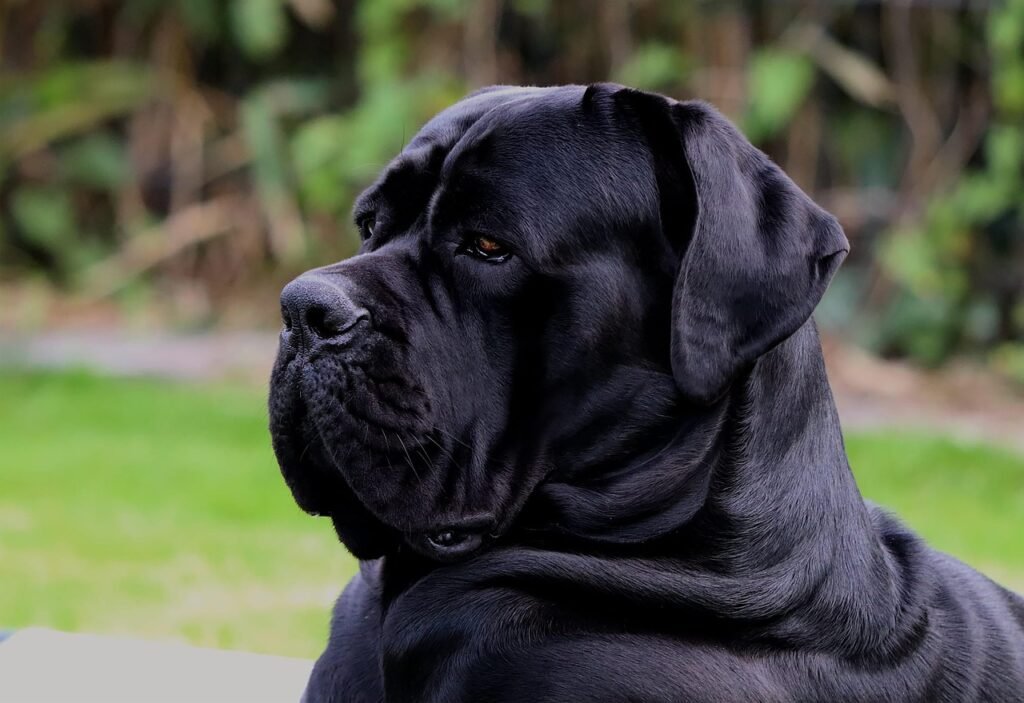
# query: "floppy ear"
{"type": "Point", "coordinates": [756, 253]}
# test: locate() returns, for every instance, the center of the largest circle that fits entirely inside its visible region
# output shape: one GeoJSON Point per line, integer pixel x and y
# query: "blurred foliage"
{"type": "Point", "coordinates": [960, 261]}
{"type": "Point", "coordinates": [779, 83]}
{"type": "Point", "coordinates": [217, 145]}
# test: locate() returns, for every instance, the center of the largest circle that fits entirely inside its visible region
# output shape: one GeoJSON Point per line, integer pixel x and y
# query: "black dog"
{"type": "Point", "coordinates": [568, 406]}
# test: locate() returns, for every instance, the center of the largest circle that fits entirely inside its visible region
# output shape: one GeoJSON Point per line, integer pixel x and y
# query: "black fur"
{"type": "Point", "coordinates": [607, 467]}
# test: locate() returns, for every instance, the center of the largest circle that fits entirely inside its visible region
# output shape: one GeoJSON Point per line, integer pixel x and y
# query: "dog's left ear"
{"type": "Point", "coordinates": [756, 253]}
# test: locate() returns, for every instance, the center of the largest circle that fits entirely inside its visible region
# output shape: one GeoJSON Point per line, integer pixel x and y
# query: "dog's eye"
{"type": "Point", "coordinates": [366, 226]}
{"type": "Point", "coordinates": [487, 249]}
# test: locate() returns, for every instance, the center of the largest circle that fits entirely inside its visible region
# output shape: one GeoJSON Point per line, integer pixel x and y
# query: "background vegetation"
{"type": "Point", "coordinates": [192, 154]}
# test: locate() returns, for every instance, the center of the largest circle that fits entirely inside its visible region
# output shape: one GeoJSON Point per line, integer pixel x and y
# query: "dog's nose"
{"type": "Point", "coordinates": [316, 309]}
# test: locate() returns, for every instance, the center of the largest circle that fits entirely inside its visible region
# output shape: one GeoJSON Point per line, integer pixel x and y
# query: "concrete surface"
{"type": "Point", "coordinates": [38, 665]}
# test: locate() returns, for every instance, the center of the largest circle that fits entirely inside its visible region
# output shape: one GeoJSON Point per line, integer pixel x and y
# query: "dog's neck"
{"type": "Point", "coordinates": [752, 503]}
{"type": "Point", "coordinates": [766, 458]}
{"type": "Point", "coordinates": [781, 482]}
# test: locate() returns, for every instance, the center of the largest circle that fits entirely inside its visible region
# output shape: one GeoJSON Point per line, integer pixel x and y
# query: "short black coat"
{"type": "Point", "coordinates": [630, 415]}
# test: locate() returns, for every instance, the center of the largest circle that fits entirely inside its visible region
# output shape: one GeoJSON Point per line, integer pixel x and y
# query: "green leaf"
{"type": "Point", "coordinates": [653, 66]}
{"type": "Point", "coordinates": [536, 9]}
{"type": "Point", "coordinates": [1009, 88]}
{"type": "Point", "coordinates": [918, 327]}
{"type": "Point", "coordinates": [1004, 150]}
{"type": "Point", "coordinates": [202, 17]}
{"type": "Point", "coordinates": [45, 217]}
{"type": "Point", "coordinates": [979, 197]}
{"type": "Point", "coordinates": [779, 82]}
{"type": "Point", "coordinates": [318, 154]}
{"type": "Point", "coordinates": [97, 161]}
{"type": "Point", "coordinates": [260, 26]}
{"type": "Point", "coordinates": [909, 259]}
{"type": "Point", "coordinates": [1006, 31]}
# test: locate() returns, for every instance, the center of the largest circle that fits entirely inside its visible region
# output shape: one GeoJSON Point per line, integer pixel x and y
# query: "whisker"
{"type": "Point", "coordinates": [387, 454]}
{"type": "Point", "coordinates": [447, 453]}
{"type": "Point", "coordinates": [426, 458]}
{"type": "Point", "coordinates": [330, 452]}
{"type": "Point", "coordinates": [452, 437]}
{"type": "Point", "coordinates": [408, 458]}
{"type": "Point", "coordinates": [305, 451]}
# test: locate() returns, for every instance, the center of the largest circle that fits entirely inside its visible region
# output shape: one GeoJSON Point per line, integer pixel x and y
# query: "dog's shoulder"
{"type": "Point", "coordinates": [348, 671]}
{"type": "Point", "coordinates": [977, 624]}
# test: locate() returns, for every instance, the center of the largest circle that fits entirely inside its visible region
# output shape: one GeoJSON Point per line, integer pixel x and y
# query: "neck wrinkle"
{"type": "Point", "coordinates": [617, 490]}
{"type": "Point", "coordinates": [748, 513]}
{"type": "Point", "coordinates": [786, 501]}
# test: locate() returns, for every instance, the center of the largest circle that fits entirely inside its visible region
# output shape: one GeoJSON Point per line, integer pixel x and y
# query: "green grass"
{"type": "Point", "coordinates": [156, 510]}
{"type": "Point", "coordinates": [965, 498]}
{"type": "Point", "coordinates": [152, 509]}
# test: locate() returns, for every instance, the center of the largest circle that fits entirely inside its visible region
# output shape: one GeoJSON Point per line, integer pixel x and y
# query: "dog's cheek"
{"type": "Point", "coordinates": [487, 284]}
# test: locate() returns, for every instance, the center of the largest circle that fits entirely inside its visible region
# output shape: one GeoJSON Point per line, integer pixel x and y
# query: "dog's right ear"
{"type": "Point", "coordinates": [756, 254]}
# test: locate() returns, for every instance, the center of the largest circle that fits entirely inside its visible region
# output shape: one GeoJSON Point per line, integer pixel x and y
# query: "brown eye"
{"type": "Point", "coordinates": [487, 249]}
{"type": "Point", "coordinates": [488, 246]}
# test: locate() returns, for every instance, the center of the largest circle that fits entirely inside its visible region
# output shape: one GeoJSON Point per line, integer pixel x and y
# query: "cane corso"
{"type": "Point", "coordinates": [567, 406]}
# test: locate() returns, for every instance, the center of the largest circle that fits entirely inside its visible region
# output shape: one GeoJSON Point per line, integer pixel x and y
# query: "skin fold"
{"type": "Point", "coordinates": [568, 407]}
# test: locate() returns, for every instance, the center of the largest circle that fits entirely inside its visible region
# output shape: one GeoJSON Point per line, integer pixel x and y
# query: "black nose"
{"type": "Point", "coordinates": [316, 309]}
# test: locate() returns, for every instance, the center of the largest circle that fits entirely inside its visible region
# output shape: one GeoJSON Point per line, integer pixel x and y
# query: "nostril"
{"type": "Point", "coordinates": [316, 321]}
{"type": "Point", "coordinates": [314, 310]}
{"type": "Point", "coordinates": [326, 324]}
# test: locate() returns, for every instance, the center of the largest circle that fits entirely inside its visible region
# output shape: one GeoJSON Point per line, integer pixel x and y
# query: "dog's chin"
{"type": "Point", "coordinates": [369, 526]}
{"type": "Point", "coordinates": [320, 490]}
{"type": "Point", "coordinates": [350, 466]}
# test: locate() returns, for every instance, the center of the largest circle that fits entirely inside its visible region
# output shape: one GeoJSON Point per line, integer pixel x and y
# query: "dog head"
{"type": "Point", "coordinates": [547, 276]}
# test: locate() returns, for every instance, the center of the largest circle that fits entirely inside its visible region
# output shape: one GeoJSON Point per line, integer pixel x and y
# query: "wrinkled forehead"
{"type": "Point", "coordinates": [518, 161]}
{"type": "Point", "coordinates": [420, 162]}
{"type": "Point", "coordinates": [450, 125]}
